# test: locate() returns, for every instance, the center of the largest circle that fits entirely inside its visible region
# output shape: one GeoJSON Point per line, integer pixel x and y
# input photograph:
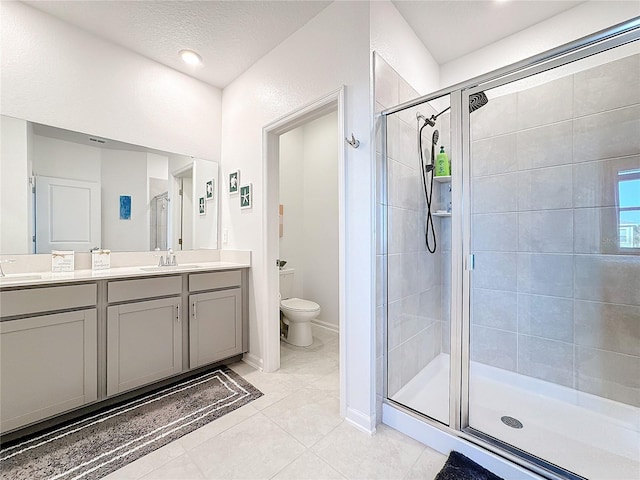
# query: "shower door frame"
{"type": "Point", "coordinates": [461, 259]}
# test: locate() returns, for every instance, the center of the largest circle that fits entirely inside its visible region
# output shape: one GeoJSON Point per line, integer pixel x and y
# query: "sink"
{"type": "Point", "coordinates": [169, 268]}
{"type": "Point", "coordinates": [20, 277]}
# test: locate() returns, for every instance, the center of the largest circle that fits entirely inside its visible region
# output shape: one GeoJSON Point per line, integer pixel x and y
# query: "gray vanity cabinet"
{"type": "Point", "coordinates": [144, 338]}
{"type": "Point", "coordinates": [215, 326]}
{"type": "Point", "coordinates": [48, 361]}
{"type": "Point", "coordinates": [215, 317]}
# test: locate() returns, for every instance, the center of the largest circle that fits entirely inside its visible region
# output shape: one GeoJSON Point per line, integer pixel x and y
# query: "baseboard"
{"type": "Point", "coordinates": [362, 422]}
{"type": "Point", "coordinates": [329, 326]}
{"type": "Point", "coordinates": [252, 360]}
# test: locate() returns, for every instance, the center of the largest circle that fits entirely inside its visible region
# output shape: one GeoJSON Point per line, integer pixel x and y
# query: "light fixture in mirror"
{"type": "Point", "coordinates": [67, 190]}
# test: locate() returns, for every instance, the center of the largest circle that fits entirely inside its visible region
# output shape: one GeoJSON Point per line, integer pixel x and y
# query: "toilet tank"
{"type": "Point", "coordinates": [286, 282]}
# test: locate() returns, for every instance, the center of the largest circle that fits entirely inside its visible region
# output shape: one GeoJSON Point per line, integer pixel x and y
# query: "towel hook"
{"type": "Point", "coordinates": [353, 142]}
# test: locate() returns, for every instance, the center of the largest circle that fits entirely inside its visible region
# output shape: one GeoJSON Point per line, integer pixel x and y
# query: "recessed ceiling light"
{"type": "Point", "coordinates": [190, 57]}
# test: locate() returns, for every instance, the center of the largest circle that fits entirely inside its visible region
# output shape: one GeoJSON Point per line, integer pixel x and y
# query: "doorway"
{"type": "Point", "coordinates": [272, 133]}
{"type": "Point", "coordinates": [182, 209]}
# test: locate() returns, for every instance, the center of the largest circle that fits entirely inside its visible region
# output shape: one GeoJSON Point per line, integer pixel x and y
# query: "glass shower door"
{"type": "Point", "coordinates": [554, 295]}
{"type": "Point", "coordinates": [418, 257]}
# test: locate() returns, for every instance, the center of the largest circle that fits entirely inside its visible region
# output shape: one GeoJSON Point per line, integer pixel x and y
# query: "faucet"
{"type": "Point", "coordinates": [8, 260]}
{"type": "Point", "coordinates": [170, 260]}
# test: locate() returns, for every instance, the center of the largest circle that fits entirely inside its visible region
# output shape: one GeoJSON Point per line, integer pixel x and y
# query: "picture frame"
{"type": "Point", "coordinates": [125, 207]}
{"type": "Point", "coordinates": [202, 206]}
{"type": "Point", "coordinates": [234, 182]}
{"type": "Point", "coordinates": [210, 189]}
{"type": "Point", "coordinates": [246, 196]}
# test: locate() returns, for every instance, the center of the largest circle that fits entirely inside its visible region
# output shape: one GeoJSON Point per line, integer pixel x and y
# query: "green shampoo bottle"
{"type": "Point", "coordinates": [442, 164]}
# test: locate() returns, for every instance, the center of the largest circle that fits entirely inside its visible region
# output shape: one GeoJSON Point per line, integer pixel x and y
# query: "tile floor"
{"type": "Point", "coordinates": [294, 431]}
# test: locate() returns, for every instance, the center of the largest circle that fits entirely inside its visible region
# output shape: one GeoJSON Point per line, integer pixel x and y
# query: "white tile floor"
{"type": "Point", "coordinates": [294, 431]}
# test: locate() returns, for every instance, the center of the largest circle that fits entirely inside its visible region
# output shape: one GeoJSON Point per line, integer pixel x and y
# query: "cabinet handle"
{"type": "Point", "coordinates": [193, 310]}
{"type": "Point", "coordinates": [178, 312]}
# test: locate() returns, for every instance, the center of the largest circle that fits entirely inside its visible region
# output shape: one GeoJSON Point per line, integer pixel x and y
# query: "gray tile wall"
{"type": "Point", "coordinates": [554, 297]}
{"type": "Point", "coordinates": [411, 303]}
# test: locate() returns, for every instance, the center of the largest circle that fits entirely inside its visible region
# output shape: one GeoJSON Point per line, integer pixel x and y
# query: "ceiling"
{"type": "Point", "coordinates": [452, 28]}
{"type": "Point", "coordinates": [233, 35]}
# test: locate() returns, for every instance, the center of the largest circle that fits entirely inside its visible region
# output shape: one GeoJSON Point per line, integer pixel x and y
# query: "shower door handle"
{"type": "Point", "coordinates": [471, 260]}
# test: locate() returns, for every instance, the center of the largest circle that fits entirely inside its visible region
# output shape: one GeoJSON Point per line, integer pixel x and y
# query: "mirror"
{"type": "Point", "coordinates": [66, 190]}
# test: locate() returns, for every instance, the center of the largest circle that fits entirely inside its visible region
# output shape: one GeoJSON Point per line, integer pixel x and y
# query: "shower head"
{"type": "Point", "coordinates": [434, 141]}
{"type": "Point", "coordinates": [476, 101]}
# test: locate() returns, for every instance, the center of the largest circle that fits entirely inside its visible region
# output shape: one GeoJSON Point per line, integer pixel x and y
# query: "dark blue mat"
{"type": "Point", "coordinates": [459, 467]}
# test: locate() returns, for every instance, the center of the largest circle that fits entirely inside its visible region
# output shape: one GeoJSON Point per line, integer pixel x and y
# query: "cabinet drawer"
{"type": "Point", "coordinates": [124, 290]}
{"type": "Point", "coordinates": [47, 299]}
{"type": "Point", "coordinates": [214, 280]}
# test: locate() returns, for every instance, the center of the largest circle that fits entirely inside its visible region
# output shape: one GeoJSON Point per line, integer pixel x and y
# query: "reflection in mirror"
{"type": "Point", "coordinates": [67, 190]}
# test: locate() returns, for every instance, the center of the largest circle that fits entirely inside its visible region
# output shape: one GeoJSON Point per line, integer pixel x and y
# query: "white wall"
{"type": "Point", "coordinates": [309, 193]}
{"type": "Point", "coordinates": [331, 50]}
{"type": "Point", "coordinates": [61, 159]}
{"type": "Point", "coordinates": [57, 74]}
{"type": "Point", "coordinates": [321, 216]}
{"type": "Point", "coordinates": [292, 247]}
{"type": "Point", "coordinates": [583, 20]}
{"type": "Point", "coordinates": [14, 187]}
{"type": "Point", "coordinates": [124, 173]}
{"type": "Point", "coordinates": [205, 226]}
{"type": "Point", "coordinates": [397, 43]}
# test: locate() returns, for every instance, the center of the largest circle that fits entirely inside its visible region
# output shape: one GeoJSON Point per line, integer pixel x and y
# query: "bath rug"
{"type": "Point", "coordinates": [100, 443]}
{"type": "Point", "coordinates": [459, 467]}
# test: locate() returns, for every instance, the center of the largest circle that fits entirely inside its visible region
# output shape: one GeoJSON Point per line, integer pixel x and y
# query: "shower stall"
{"type": "Point", "coordinates": [510, 288]}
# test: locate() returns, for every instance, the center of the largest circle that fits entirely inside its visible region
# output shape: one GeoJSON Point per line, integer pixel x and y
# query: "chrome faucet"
{"type": "Point", "coordinates": [8, 260]}
{"type": "Point", "coordinates": [170, 260]}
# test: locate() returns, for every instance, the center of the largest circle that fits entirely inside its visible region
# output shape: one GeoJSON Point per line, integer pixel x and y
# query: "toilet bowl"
{"type": "Point", "coordinates": [297, 313]}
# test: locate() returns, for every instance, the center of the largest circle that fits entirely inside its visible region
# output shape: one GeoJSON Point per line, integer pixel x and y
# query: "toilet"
{"type": "Point", "coordinates": [297, 313]}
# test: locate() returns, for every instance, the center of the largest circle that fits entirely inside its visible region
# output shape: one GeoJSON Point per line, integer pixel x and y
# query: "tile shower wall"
{"type": "Point", "coordinates": [413, 298]}
{"type": "Point", "coordinates": [554, 296]}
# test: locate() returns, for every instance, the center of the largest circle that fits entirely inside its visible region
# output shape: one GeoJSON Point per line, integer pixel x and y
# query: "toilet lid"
{"type": "Point", "coordinates": [300, 305]}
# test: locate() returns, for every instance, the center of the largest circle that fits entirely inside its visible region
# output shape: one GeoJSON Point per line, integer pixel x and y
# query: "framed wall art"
{"type": "Point", "coordinates": [234, 182]}
{"type": "Point", "coordinates": [246, 196]}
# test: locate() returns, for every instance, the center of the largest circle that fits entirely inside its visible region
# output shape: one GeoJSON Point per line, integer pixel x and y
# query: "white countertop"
{"type": "Point", "coordinates": [48, 278]}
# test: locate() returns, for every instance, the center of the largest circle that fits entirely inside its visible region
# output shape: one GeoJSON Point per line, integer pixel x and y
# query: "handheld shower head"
{"type": "Point", "coordinates": [434, 141]}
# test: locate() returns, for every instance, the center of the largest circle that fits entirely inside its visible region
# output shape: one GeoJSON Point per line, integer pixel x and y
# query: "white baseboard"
{"type": "Point", "coordinates": [362, 422]}
{"type": "Point", "coordinates": [329, 326]}
{"type": "Point", "coordinates": [252, 360]}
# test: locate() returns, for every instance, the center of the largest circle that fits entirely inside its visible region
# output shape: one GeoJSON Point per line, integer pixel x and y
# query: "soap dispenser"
{"type": "Point", "coordinates": [442, 164]}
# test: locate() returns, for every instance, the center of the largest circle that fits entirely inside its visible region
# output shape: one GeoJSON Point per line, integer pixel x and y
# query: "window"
{"type": "Point", "coordinates": [629, 208]}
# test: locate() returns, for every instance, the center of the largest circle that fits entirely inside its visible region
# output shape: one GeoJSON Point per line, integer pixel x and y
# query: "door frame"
{"type": "Point", "coordinates": [333, 101]}
{"type": "Point", "coordinates": [174, 187]}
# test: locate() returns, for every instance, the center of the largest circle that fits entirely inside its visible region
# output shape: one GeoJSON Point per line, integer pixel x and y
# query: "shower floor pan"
{"type": "Point", "coordinates": [589, 435]}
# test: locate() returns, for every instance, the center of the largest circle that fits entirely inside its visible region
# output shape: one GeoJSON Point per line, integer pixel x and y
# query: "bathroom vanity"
{"type": "Point", "coordinates": [80, 339]}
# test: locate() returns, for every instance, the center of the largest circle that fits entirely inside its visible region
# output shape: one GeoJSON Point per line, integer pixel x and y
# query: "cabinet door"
{"type": "Point", "coordinates": [48, 365]}
{"type": "Point", "coordinates": [144, 343]}
{"type": "Point", "coordinates": [215, 326]}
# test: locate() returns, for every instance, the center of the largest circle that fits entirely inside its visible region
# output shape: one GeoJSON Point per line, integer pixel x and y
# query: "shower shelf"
{"type": "Point", "coordinates": [442, 214]}
{"type": "Point", "coordinates": [446, 179]}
